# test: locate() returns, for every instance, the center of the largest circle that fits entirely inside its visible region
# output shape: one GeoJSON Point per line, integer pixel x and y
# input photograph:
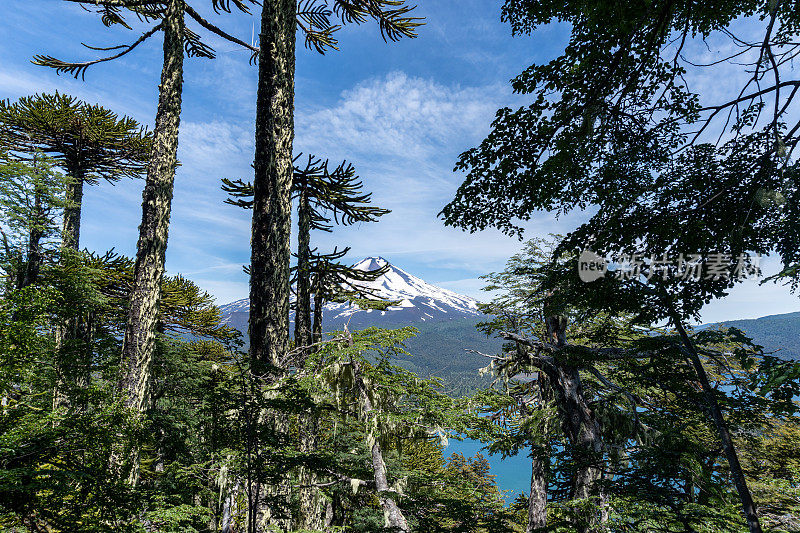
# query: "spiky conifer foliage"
{"type": "Point", "coordinates": [324, 197]}
{"type": "Point", "coordinates": [334, 281]}
{"type": "Point", "coordinates": [114, 12]}
{"type": "Point", "coordinates": [89, 142]}
{"type": "Point", "coordinates": [55, 455]}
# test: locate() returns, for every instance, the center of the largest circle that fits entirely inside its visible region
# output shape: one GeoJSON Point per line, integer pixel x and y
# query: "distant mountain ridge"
{"type": "Point", "coordinates": [446, 322]}
{"type": "Point", "coordinates": [419, 301]}
{"type": "Point", "coordinates": [778, 334]}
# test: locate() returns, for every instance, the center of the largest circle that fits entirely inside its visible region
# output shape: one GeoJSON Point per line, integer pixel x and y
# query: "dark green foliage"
{"type": "Point", "coordinates": [405, 414]}
{"type": "Point", "coordinates": [454, 494]}
{"type": "Point", "coordinates": [663, 464]}
{"type": "Point", "coordinates": [31, 198]}
{"type": "Point", "coordinates": [84, 139]}
{"type": "Point", "coordinates": [614, 125]}
{"type": "Point", "coordinates": [55, 459]}
{"type": "Point", "coordinates": [60, 418]}
{"type": "Point", "coordinates": [228, 442]}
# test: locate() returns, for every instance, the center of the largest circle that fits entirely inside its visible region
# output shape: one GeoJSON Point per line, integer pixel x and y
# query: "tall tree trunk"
{"type": "Point", "coordinates": [271, 228]}
{"type": "Point", "coordinates": [34, 260]}
{"type": "Point", "coordinates": [540, 459]}
{"type": "Point", "coordinates": [582, 430]}
{"type": "Point", "coordinates": [71, 228]}
{"type": "Point", "coordinates": [317, 328]}
{"type": "Point", "coordinates": [139, 341]}
{"type": "Point", "coordinates": [230, 509]}
{"type": "Point", "coordinates": [312, 505]}
{"type": "Point", "coordinates": [302, 315]}
{"type": "Point", "coordinates": [739, 479]}
{"type": "Point", "coordinates": [71, 334]}
{"type": "Point", "coordinates": [391, 512]}
{"type": "Point", "coordinates": [537, 501]}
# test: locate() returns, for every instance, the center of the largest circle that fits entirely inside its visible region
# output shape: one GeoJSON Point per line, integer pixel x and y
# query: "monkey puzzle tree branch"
{"type": "Point", "coordinates": [79, 69]}
{"type": "Point", "coordinates": [217, 31]}
{"type": "Point", "coordinates": [119, 3]}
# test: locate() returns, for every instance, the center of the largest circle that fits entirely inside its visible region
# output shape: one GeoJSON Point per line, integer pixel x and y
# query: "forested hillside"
{"type": "Point", "coordinates": [778, 334]}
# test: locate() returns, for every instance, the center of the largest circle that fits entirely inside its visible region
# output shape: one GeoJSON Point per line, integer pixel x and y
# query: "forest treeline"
{"type": "Point", "coordinates": [127, 405]}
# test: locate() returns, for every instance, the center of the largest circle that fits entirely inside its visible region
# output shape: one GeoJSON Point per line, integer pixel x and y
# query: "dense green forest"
{"type": "Point", "coordinates": [126, 404]}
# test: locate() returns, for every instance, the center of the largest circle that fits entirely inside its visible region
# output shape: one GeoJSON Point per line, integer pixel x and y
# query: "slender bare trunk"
{"type": "Point", "coordinates": [230, 510]}
{"type": "Point", "coordinates": [739, 479]}
{"type": "Point", "coordinates": [270, 254]}
{"type": "Point", "coordinates": [537, 501]}
{"type": "Point", "coordinates": [271, 225]}
{"type": "Point", "coordinates": [139, 342]}
{"type": "Point", "coordinates": [71, 227]}
{"type": "Point", "coordinates": [540, 467]}
{"type": "Point", "coordinates": [34, 260]}
{"type": "Point", "coordinates": [391, 512]}
{"type": "Point", "coordinates": [302, 315]}
{"type": "Point", "coordinates": [73, 336]}
{"type": "Point", "coordinates": [317, 328]}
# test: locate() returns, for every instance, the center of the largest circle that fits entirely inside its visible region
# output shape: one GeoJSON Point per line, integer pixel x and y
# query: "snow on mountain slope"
{"type": "Point", "coordinates": [418, 301]}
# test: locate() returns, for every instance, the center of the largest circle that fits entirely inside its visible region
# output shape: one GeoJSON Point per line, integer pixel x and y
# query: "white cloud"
{"type": "Point", "coordinates": [399, 116]}
{"type": "Point", "coordinates": [214, 146]}
{"type": "Point", "coordinates": [471, 287]}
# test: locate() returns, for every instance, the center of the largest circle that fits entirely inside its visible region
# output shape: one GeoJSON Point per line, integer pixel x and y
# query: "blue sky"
{"type": "Point", "coordinates": [401, 112]}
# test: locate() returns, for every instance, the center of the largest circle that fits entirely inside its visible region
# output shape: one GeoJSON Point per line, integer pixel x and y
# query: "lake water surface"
{"type": "Point", "coordinates": [513, 473]}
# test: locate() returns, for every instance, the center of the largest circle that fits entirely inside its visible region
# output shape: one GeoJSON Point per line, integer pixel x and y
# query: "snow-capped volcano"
{"type": "Point", "coordinates": [419, 301]}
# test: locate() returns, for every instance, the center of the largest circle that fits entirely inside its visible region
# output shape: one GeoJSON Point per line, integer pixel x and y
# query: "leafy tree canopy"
{"type": "Point", "coordinates": [83, 138]}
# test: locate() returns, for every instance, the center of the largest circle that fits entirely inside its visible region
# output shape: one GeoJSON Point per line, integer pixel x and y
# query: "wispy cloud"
{"type": "Point", "coordinates": [399, 116]}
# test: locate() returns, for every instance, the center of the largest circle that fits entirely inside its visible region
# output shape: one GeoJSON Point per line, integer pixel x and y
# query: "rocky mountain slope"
{"type": "Point", "coordinates": [419, 301]}
{"type": "Point", "coordinates": [446, 322]}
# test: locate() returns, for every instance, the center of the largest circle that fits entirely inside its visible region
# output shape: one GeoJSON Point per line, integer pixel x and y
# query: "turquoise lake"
{"type": "Point", "coordinates": [513, 473]}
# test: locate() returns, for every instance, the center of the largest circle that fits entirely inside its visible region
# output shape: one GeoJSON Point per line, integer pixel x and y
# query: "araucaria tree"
{"type": "Point", "coordinates": [323, 197]}
{"type": "Point", "coordinates": [272, 183]}
{"type": "Point", "coordinates": [88, 142]}
{"type": "Point", "coordinates": [331, 280]}
{"type": "Point", "coordinates": [169, 18]}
